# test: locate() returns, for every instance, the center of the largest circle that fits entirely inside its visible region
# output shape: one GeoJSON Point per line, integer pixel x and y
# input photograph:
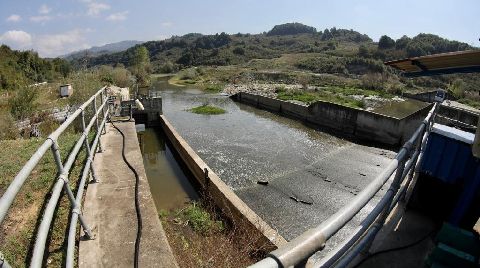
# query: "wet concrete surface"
{"type": "Point", "coordinates": [110, 209]}
{"type": "Point", "coordinates": [246, 145]}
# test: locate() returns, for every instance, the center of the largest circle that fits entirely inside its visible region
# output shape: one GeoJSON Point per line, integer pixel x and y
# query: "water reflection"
{"type": "Point", "coordinates": [168, 181]}
{"type": "Point", "coordinates": [400, 109]}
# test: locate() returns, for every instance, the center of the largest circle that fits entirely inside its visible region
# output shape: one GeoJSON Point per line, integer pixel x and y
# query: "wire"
{"type": "Point", "coordinates": [414, 243]}
{"type": "Point", "coordinates": [137, 204]}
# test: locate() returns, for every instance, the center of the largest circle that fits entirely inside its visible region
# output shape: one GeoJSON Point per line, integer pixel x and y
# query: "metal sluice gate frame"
{"type": "Point", "coordinates": [62, 182]}
{"type": "Point", "coordinates": [406, 163]}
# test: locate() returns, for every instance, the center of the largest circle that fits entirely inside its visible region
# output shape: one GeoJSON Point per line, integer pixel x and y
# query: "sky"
{"type": "Point", "coordinates": [57, 27]}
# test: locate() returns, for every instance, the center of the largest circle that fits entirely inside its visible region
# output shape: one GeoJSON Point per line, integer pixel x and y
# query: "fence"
{"type": "Point", "coordinates": [406, 163]}
{"type": "Point", "coordinates": [62, 183]}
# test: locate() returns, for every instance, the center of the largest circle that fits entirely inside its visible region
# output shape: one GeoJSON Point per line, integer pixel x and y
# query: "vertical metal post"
{"type": "Point", "coordinates": [106, 106]}
{"type": "Point", "coordinates": [87, 146]}
{"type": "Point", "coordinates": [64, 176]}
{"type": "Point", "coordinates": [131, 112]}
{"type": "Point", "coordinates": [96, 121]}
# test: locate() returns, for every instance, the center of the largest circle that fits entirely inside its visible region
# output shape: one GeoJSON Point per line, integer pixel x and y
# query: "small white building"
{"type": "Point", "coordinates": [66, 90]}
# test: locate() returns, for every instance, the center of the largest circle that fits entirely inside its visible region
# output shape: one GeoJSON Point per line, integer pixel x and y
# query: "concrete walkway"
{"type": "Point", "coordinates": [109, 208]}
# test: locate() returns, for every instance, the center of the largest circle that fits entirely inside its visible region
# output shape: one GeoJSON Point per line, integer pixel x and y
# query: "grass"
{"type": "Point", "coordinates": [200, 238]}
{"type": "Point", "coordinates": [18, 231]}
{"type": "Point", "coordinates": [213, 88]}
{"type": "Point", "coordinates": [208, 110]}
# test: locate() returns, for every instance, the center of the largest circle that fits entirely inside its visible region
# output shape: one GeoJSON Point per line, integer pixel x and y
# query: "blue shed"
{"type": "Point", "coordinates": [448, 157]}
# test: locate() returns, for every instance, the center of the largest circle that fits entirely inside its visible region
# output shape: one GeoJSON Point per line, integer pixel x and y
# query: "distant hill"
{"type": "Point", "coordinates": [102, 50]}
{"type": "Point", "coordinates": [340, 51]}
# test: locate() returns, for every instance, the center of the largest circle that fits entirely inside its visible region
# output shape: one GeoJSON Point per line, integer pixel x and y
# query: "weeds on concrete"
{"type": "Point", "coordinates": [200, 236]}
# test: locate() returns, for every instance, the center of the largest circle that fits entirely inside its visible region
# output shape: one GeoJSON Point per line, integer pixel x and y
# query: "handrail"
{"type": "Point", "coordinates": [63, 170]}
{"type": "Point", "coordinates": [313, 240]}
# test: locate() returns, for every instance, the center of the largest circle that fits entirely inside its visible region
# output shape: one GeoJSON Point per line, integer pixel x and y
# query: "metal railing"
{"type": "Point", "coordinates": [62, 183]}
{"type": "Point", "coordinates": [406, 163]}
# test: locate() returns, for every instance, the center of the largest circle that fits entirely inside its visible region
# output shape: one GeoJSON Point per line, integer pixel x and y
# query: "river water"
{"type": "Point", "coordinates": [246, 145]}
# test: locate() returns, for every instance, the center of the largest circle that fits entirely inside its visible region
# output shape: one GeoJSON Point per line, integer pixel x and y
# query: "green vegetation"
{"type": "Point", "coordinates": [291, 29]}
{"type": "Point", "coordinates": [207, 109]}
{"type": "Point", "coordinates": [341, 57]}
{"type": "Point", "coordinates": [18, 237]}
{"type": "Point", "coordinates": [200, 219]}
{"type": "Point", "coordinates": [19, 69]}
{"type": "Point", "coordinates": [139, 62]}
{"type": "Point", "coordinates": [200, 237]}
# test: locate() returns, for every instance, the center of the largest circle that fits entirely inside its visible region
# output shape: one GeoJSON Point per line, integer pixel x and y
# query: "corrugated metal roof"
{"type": "Point", "coordinates": [444, 63]}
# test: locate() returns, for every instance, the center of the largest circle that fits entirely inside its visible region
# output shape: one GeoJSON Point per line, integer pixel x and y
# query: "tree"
{"type": "Point", "coordinates": [402, 42]}
{"type": "Point", "coordinates": [386, 42]}
{"type": "Point", "coordinates": [140, 65]}
{"type": "Point", "coordinates": [363, 51]}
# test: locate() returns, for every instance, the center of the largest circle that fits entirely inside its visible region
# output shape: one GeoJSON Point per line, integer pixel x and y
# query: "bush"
{"type": "Point", "coordinates": [200, 220]}
{"type": "Point", "coordinates": [8, 130]}
{"type": "Point", "coordinates": [23, 104]}
{"type": "Point", "coordinates": [372, 81]}
{"type": "Point", "coordinates": [457, 87]}
{"type": "Point", "coordinates": [239, 51]}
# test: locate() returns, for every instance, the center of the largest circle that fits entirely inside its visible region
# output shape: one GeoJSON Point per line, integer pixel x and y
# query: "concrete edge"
{"type": "Point", "coordinates": [152, 224]}
{"type": "Point", "coordinates": [230, 204]}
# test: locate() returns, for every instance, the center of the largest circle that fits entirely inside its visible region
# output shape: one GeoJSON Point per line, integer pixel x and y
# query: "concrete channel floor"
{"type": "Point", "coordinates": [109, 207]}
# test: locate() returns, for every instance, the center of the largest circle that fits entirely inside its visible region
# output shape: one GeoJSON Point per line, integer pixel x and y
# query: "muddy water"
{"type": "Point", "coordinates": [169, 182]}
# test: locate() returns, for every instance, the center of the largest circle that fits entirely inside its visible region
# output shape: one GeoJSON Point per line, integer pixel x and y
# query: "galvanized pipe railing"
{"type": "Point", "coordinates": [313, 240]}
{"type": "Point", "coordinates": [76, 212]}
{"type": "Point", "coordinates": [62, 182]}
{"type": "Point", "coordinates": [62, 170]}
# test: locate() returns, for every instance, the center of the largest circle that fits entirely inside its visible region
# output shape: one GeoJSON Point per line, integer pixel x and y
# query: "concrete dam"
{"type": "Point", "coordinates": [310, 173]}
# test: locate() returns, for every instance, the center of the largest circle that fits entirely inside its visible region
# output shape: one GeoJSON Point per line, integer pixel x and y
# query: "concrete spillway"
{"type": "Point", "coordinates": [246, 145]}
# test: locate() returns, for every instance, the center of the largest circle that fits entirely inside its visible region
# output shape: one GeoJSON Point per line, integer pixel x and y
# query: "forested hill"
{"type": "Point", "coordinates": [20, 68]}
{"type": "Point", "coordinates": [338, 46]}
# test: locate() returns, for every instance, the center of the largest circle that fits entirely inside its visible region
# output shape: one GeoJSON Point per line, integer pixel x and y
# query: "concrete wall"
{"type": "Point", "coordinates": [265, 237]}
{"type": "Point", "coordinates": [462, 115]}
{"type": "Point", "coordinates": [149, 116]}
{"type": "Point", "coordinates": [348, 121]}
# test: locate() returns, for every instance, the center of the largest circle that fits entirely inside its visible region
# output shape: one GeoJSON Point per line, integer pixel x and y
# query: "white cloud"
{"type": "Point", "coordinates": [16, 39]}
{"type": "Point", "coordinates": [14, 18]}
{"type": "Point", "coordinates": [44, 9]}
{"type": "Point", "coordinates": [166, 24]}
{"type": "Point", "coordinates": [118, 16]}
{"type": "Point", "coordinates": [40, 18]}
{"type": "Point", "coordinates": [52, 45]}
{"type": "Point", "coordinates": [47, 45]}
{"type": "Point", "coordinates": [95, 8]}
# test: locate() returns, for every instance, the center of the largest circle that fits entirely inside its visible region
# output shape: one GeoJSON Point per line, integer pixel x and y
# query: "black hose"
{"type": "Point", "coordinates": [137, 204]}
{"type": "Point", "coordinates": [414, 243]}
